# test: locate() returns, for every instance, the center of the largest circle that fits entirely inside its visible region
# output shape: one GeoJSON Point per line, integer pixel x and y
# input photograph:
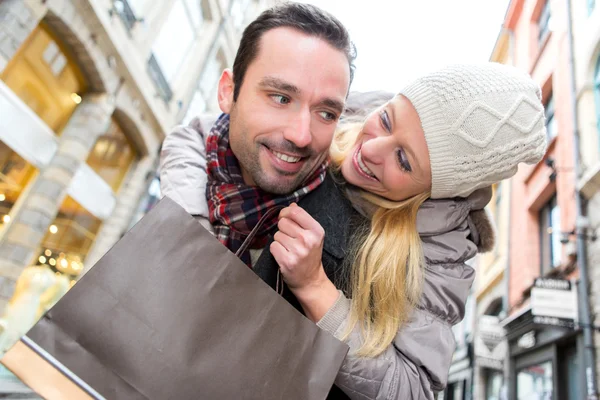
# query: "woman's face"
{"type": "Point", "coordinates": [390, 157]}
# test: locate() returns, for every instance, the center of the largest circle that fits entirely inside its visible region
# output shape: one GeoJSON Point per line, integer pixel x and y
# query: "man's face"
{"type": "Point", "coordinates": [283, 121]}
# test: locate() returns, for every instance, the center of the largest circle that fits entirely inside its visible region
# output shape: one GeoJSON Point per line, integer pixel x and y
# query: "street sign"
{"type": "Point", "coordinates": [555, 299]}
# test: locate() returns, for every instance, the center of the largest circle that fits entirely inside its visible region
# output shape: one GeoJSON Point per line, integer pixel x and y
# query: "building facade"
{"type": "Point", "coordinates": [586, 40]}
{"type": "Point", "coordinates": [88, 90]}
{"type": "Point", "coordinates": [545, 358]}
{"type": "Point", "coordinates": [491, 282]}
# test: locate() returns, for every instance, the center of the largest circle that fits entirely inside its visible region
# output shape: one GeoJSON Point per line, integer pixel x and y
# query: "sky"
{"type": "Point", "coordinates": [399, 40]}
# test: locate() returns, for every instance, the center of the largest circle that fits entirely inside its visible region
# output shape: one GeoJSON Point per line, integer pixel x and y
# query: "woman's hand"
{"type": "Point", "coordinates": [297, 248]}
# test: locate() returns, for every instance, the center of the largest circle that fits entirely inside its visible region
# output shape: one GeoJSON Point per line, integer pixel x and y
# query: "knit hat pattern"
{"type": "Point", "coordinates": [480, 122]}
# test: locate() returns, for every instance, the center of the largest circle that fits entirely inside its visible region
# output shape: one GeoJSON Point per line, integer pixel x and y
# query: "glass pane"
{"type": "Point", "coordinates": [137, 6]}
{"type": "Point", "coordinates": [112, 156]}
{"type": "Point", "coordinates": [196, 108]}
{"type": "Point", "coordinates": [69, 238]}
{"type": "Point", "coordinates": [173, 41]}
{"type": "Point", "coordinates": [551, 127]}
{"type": "Point", "coordinates": [493, 385]}
{"type": "Point", "coordinates": [195, 12]}
{"type": "Point", "coordinates": [15, 174]}
{"type": "Point", "coordinates": [210, 77]}
{"type": "Point", "coordinates": [535, 382]}
{"type": "Point", "coordinates": [555, 225]}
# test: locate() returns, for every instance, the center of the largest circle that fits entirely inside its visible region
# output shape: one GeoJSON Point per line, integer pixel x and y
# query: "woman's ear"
{"type": "Point", "coordinates": [225, 92]}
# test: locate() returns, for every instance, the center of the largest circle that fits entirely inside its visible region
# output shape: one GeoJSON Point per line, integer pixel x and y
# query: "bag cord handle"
{"type": "Point", "coordinates": [251, 235]}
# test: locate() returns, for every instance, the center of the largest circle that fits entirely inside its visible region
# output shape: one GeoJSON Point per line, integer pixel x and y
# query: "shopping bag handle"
{"type": "Point", "coordinates": [253, 232]}
{"type": "Point", "coordinates": [279, 284]}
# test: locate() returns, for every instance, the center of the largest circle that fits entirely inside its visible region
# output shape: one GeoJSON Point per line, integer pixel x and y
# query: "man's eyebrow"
{"type": "Point", "coordinates": [334, 104]}
{"type": "Point", "coordinates": [276, 83]}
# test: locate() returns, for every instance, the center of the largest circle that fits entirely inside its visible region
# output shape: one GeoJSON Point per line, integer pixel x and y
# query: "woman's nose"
{"type": "Point", "coordinates": [375, 149]}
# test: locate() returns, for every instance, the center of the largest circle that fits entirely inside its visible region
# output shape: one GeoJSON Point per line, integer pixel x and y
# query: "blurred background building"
{"type": "Point", "coordinates": [88, 90]}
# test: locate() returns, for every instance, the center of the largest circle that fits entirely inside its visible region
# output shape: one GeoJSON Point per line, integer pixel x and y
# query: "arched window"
{"type": "Point", "coordinates": [45, 78]}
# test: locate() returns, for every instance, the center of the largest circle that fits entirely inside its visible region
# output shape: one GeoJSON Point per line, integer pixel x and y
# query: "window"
{"type": "Point", "coordinates": [210, 77]}
{"type": "Point", "coordinates": [544, 22]}
{"type": "Point", "coordinates": [69, 238]}
{"type": "Point", "coordinates": [45, 79]}
{"type": "Point", "coordinates": [112, 156]}
{"type": "Point", "coordinates": [535, 382]}
{"type": "Point", "coordinates": [194, 11]}
{"type": "Point", "coordinates": [238, 12]}
{"type": "Point", "coordinates": [551, 124]}
{"type": "Point", "coordinates": [15, 174]}
{"type": "Point", "coordinates": [591, 4]}
{"type": "Point", "coordinates": [197, 107]}
{"type": "Point", "coordinates": [138, 6]}
{"type": "Point", "coordinates": [597, 93]}
{"type": "Point", "coordinates": [493, 384]}
{"type": "Point", "coordinates": [174, 40]}
{"type": "Point", "coordinates": [550, 234]}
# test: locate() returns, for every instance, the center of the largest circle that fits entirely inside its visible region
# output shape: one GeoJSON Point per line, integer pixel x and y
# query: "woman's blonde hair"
{"type": "Point", "coordinates": [387, 266]}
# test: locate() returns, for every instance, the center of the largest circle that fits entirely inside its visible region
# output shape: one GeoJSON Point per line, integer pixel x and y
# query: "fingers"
{"type": "Point", "coordinates": [280, 253]}
{"type": "Point", "coordinates": [301, 217]}
{"type": "Point", "coordinates": [285, 240]}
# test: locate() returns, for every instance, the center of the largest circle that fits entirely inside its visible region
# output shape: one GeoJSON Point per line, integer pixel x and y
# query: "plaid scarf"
{"type": "Point", "coordinates": [234, 207]}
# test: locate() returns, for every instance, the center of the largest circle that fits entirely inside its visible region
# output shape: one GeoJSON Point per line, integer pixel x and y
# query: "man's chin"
{"type": "Point", "coordinates": [277, 183]}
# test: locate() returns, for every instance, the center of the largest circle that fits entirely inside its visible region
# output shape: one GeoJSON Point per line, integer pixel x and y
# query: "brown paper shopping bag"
{"type": "Point", "coordinates": [171, 313]}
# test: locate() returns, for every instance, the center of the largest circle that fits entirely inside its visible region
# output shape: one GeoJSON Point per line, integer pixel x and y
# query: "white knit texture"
{"type": "Point", "coordinates": [480, 122]}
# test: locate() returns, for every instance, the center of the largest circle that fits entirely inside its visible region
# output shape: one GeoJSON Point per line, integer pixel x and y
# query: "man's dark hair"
{"type": "Point", "coordinates": [304, 17]}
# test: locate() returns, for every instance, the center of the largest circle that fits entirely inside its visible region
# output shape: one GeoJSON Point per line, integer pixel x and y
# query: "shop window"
{"type": "Point", "coordinates": [112, 156]}
{"type": "Point", "coordinates": [43, 76]}
{"type": "Point", "coordinates": [535, 382]}
{"type": "Point", "coordinates": [550, 235]}
{"type": "Point", "coordinates": [69, 239]}
{"type": "Point", "coordinates": [551, 124]}
{"type": "Point", "coordinates": [15, 174]}
{"type": "Point", "coordinates": [544, 22]}
{"type": "Point", "coordinates": [493, 384]}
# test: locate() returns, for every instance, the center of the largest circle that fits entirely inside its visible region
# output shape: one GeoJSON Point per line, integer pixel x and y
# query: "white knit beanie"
{"type": "Point", "coordinates": [480, 122]}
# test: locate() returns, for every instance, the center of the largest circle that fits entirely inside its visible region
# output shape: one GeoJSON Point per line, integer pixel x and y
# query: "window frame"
{"type": "Point", "coordinates": [543, 22]}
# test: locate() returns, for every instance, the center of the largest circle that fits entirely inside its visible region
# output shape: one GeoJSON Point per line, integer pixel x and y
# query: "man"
{"type": "Point", "coordinates": [281, 104]}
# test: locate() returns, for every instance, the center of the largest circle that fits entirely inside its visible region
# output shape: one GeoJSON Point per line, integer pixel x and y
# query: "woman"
{"type": "Point", "coordinates": [419, 168]}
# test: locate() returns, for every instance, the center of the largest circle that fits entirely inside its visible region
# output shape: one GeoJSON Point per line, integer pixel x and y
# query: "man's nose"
{"type": "Point", "coordinates": [299, 131]}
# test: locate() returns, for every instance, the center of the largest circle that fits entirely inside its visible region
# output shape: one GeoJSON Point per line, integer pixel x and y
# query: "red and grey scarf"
{"type": "Point", "coordinates": [234, 207]}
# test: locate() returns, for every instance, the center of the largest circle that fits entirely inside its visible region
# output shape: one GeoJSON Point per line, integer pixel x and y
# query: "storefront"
{"type": "Point", "coordinates": [460, 375]}
{"type": "Point", "coordinates": [60, 170]}
{"type": "Point", "coordinates": [490, 349]}
{"type": "Point", "coordinates": [545, 360]}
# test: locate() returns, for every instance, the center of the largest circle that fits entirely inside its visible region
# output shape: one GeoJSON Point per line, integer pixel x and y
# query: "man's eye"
{"type": "Point", "coordinates": [327, 116]}
{"type": "Point", "coordinates": [280, 99]}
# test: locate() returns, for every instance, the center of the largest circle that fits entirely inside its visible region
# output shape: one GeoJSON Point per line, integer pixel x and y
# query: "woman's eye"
{"type": "Point", "coordinates": [280, 99]}
{"type": "Point", "coordinates": [403, 161]}
{"type": "Point", "coordinates": [327, 116]}
{"type": "Point", "coordinates": [385, 120]}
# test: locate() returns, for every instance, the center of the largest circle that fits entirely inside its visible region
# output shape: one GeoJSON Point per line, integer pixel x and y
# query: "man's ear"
{"type": "Point", "coordinates": [225, 93]}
